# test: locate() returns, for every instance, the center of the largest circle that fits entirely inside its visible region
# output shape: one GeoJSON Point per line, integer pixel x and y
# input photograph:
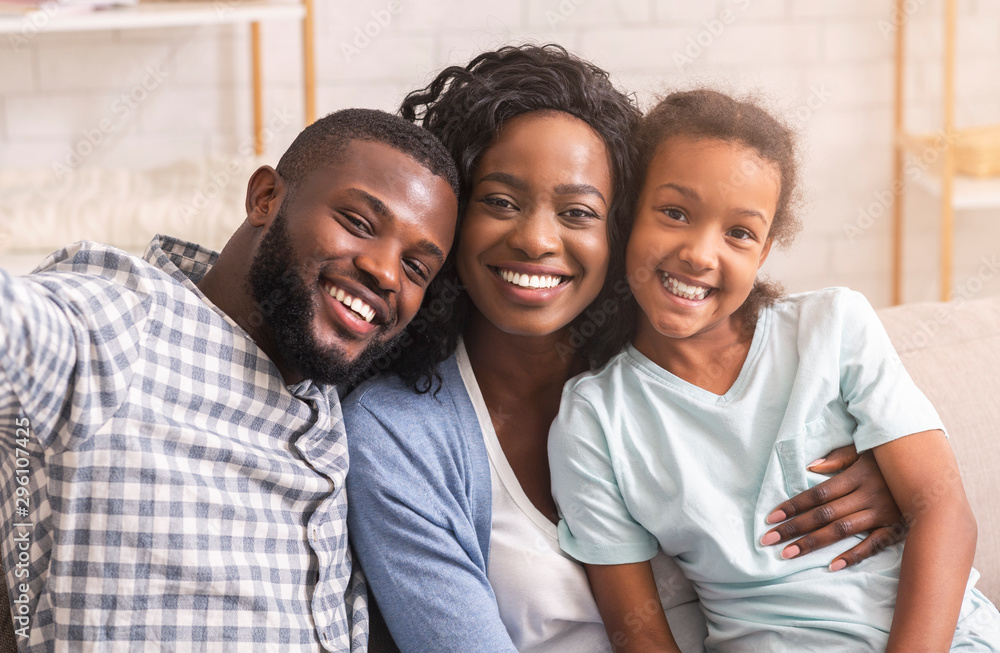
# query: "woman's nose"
{"type": "Point", "coordinates": [536, 233]}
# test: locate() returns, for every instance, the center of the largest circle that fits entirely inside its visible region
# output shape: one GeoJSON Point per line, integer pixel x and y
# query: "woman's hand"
{"type": "Point", "coordinates": [852, 502]}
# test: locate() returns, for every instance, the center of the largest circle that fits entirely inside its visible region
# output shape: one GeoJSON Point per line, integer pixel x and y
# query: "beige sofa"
{"type": "Point", "coordinates": [952, 351]}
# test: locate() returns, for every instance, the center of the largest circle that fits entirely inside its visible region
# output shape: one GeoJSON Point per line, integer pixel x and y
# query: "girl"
{"type": "Point", "coordinates": [709, 417]}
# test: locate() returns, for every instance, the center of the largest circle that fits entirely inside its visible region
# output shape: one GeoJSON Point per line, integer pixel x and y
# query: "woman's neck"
{"type": "Point", "coordinates": [711, 360]}
{"type": "Point", "coordinates": [521, 378]}
{"type": "Point", "coordinates": [522, 366]}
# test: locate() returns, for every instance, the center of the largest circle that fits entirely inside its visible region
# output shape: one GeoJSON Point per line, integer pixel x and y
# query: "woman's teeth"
{"type": "Point", "coordinates": [682, 289]}
{"type": "Point", "coordinates": [364, 310]}
{"type": "Point", "coordinates": [530, 281]}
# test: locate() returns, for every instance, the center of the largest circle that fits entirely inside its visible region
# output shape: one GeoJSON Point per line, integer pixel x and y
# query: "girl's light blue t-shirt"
{"type": "Point", "coordinates": [640, 457]}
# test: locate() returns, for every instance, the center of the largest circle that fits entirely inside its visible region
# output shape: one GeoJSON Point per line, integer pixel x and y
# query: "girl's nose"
{"type": "Point", "coordinates": [700, 250]}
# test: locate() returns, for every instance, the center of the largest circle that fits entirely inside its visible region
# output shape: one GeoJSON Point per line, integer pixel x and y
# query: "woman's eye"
{"type": "Point", "coordinates": [580, 212]}
{"type": "Point", "coordinates": [498, 202]}
{"type": "Point", "coordinates": [675, 214]}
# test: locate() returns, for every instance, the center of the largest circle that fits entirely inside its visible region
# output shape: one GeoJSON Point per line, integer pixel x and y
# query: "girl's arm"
{"type": "Point", "coordinates": [922, 473]}
{"type": "Point", "coordinates": [854, 501]}
{"type": "Point", "coordinates": [630, 606]}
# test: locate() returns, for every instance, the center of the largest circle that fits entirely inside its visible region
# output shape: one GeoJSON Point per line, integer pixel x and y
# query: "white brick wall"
{"type": "Point", "coordinates": [826, 65]}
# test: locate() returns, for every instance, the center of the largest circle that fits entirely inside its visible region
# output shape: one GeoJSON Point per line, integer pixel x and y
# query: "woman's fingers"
{"type": "Point", "coordinates": [875, 542]}
{"type": "Point", "coordinates": [829, 490]}
{"type": "Point", "coordinates": [855, 523]}
{"type": "Point", "coordinates": [829, 523]}
{"type": "Point", "coordinates": [836, 461]}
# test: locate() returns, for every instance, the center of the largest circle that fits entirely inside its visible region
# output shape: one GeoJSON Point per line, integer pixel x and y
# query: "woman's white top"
{"type": "Point", "coordinates": [543, 594]}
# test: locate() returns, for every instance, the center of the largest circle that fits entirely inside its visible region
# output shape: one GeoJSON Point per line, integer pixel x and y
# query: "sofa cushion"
{"type": "Point", "coordinates": [952, 351]}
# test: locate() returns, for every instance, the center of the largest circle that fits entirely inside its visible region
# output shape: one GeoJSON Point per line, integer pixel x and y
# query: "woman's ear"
{"type": "Point", "coordinates": [764, 252]}
{"type": "Point", "coordinates": [265, 192]}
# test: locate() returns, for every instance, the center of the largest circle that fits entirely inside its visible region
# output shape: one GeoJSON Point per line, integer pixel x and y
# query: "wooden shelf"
{"type": "Point", "coordinates": [159, 14]}
{"type": "Point", "coordinates": [954, 192]}
{"type": "Point", "coordinates": [968, 193]}
{"type": "Point", "coordinates": [146, 15]}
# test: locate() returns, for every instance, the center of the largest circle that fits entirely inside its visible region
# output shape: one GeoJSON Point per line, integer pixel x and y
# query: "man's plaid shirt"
{"type": "Point", "coordinates": [178, 494]}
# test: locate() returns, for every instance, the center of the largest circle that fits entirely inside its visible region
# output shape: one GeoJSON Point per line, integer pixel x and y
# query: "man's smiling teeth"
{"type": "Point", "coordinates": [530, 281]}
{"type": "Point", "coordinates": [682, 289]}
{"type": "Point", "coordinates": [364, 310]}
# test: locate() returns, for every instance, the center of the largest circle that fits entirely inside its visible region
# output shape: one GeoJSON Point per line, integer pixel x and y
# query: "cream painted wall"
{"type": "Point", "coordinates": [827, 66]}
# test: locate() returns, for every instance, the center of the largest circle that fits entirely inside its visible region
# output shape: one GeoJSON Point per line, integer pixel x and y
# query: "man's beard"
{"type": "Point", "coordinates": [285, 306]}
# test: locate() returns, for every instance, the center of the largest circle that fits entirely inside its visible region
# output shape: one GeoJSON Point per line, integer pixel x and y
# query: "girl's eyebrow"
{"type": "Point", "coordinates": [683, 190]}
{"type": "Point", "coordinates": [752, 213]}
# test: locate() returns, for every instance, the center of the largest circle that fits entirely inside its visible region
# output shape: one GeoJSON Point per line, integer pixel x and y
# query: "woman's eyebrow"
{"type": "Point", "coordinates": [579, 189]}
{"type": "Point", "coordinates": [506, 178]}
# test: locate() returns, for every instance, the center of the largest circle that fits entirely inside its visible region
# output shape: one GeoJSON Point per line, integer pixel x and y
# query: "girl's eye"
{"type": "Point", "coordinates": [741, 233]}
{"type": "Point", "coordinates": [675, 214]}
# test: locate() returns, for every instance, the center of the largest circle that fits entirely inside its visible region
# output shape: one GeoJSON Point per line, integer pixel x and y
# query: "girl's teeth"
{"type": "Point", "coordinates": [682, 289]}
{"type": "Point", "coordinates": [364, 310]}
{"type": "Point", "coordinates": [530, 281]}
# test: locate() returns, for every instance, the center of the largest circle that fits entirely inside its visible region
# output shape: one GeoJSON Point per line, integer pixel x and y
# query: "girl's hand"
{"type": "Point", "coordinates": [852, 502]}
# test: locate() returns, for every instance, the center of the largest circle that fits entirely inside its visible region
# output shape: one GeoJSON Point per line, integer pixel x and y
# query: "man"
{"type": "Point", "coordinates": [175, 456]}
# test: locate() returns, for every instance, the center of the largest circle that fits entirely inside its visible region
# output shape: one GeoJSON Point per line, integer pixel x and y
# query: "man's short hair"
{"type": "Point", "coordinates": [324, 141]}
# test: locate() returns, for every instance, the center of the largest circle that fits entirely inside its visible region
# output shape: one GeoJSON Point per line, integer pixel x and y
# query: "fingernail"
{"type": "Point", "coordinates": [838, 564]}
{"type": "Point", "coordinates": [790, 552]}
{"type": "Point", "coordinates": [770, 538]}
{"type": "Point", "coordinates": [776, 516]}
{"type": "Point", "coordinates": [816, 462]}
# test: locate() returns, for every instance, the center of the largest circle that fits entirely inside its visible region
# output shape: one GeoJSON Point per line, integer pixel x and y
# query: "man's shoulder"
{"type": "Point", "coordinates": [86, 263]}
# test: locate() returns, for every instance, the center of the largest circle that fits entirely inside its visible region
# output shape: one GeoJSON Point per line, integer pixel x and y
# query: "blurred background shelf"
{"type": "Point", "coordinates": [157, 14]}
{"type": "Point", "coordinates": [954, 191]}
{"type": "Point", "coordinates": [148, 15]}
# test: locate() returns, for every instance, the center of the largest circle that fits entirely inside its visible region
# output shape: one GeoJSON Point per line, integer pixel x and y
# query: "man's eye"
{"type": "Point", "coordinates": [357, 223]}
{"type": "Point", "coordinates": [418, 269]}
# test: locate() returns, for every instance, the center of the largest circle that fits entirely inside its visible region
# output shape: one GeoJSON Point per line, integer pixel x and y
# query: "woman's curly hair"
{"type": "Point", "coordinates": [466, 107]}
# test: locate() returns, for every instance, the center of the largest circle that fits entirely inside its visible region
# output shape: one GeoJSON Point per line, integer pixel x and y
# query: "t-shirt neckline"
{"type": "Point", "coordinates": [735, 390]}
{"type": "Point", "coordinates": [493, 449]}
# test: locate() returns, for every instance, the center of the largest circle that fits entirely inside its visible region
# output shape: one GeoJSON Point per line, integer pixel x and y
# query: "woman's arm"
{"type": "Point", "coordinates": [854, 501]}
{"type": "Point", "coordinates": [630, 606]}
{"type": "Point", "coordinates": [416, 541]}
{"type": "Point", "coordinates": [922, 472]}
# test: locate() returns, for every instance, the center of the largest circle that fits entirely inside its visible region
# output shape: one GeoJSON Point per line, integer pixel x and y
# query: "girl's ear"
{"type": "Point", "coordinates": [265, 191]}
{"type": "Point", "coordinates": [764, 252]}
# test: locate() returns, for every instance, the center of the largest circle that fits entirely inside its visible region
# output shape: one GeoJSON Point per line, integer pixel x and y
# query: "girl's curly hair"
{"type": "Point", "coordinates": [466, 107]}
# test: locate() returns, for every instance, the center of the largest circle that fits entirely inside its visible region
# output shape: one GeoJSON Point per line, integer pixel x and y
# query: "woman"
{"type": "Point", "coordinates": [451, 514]}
